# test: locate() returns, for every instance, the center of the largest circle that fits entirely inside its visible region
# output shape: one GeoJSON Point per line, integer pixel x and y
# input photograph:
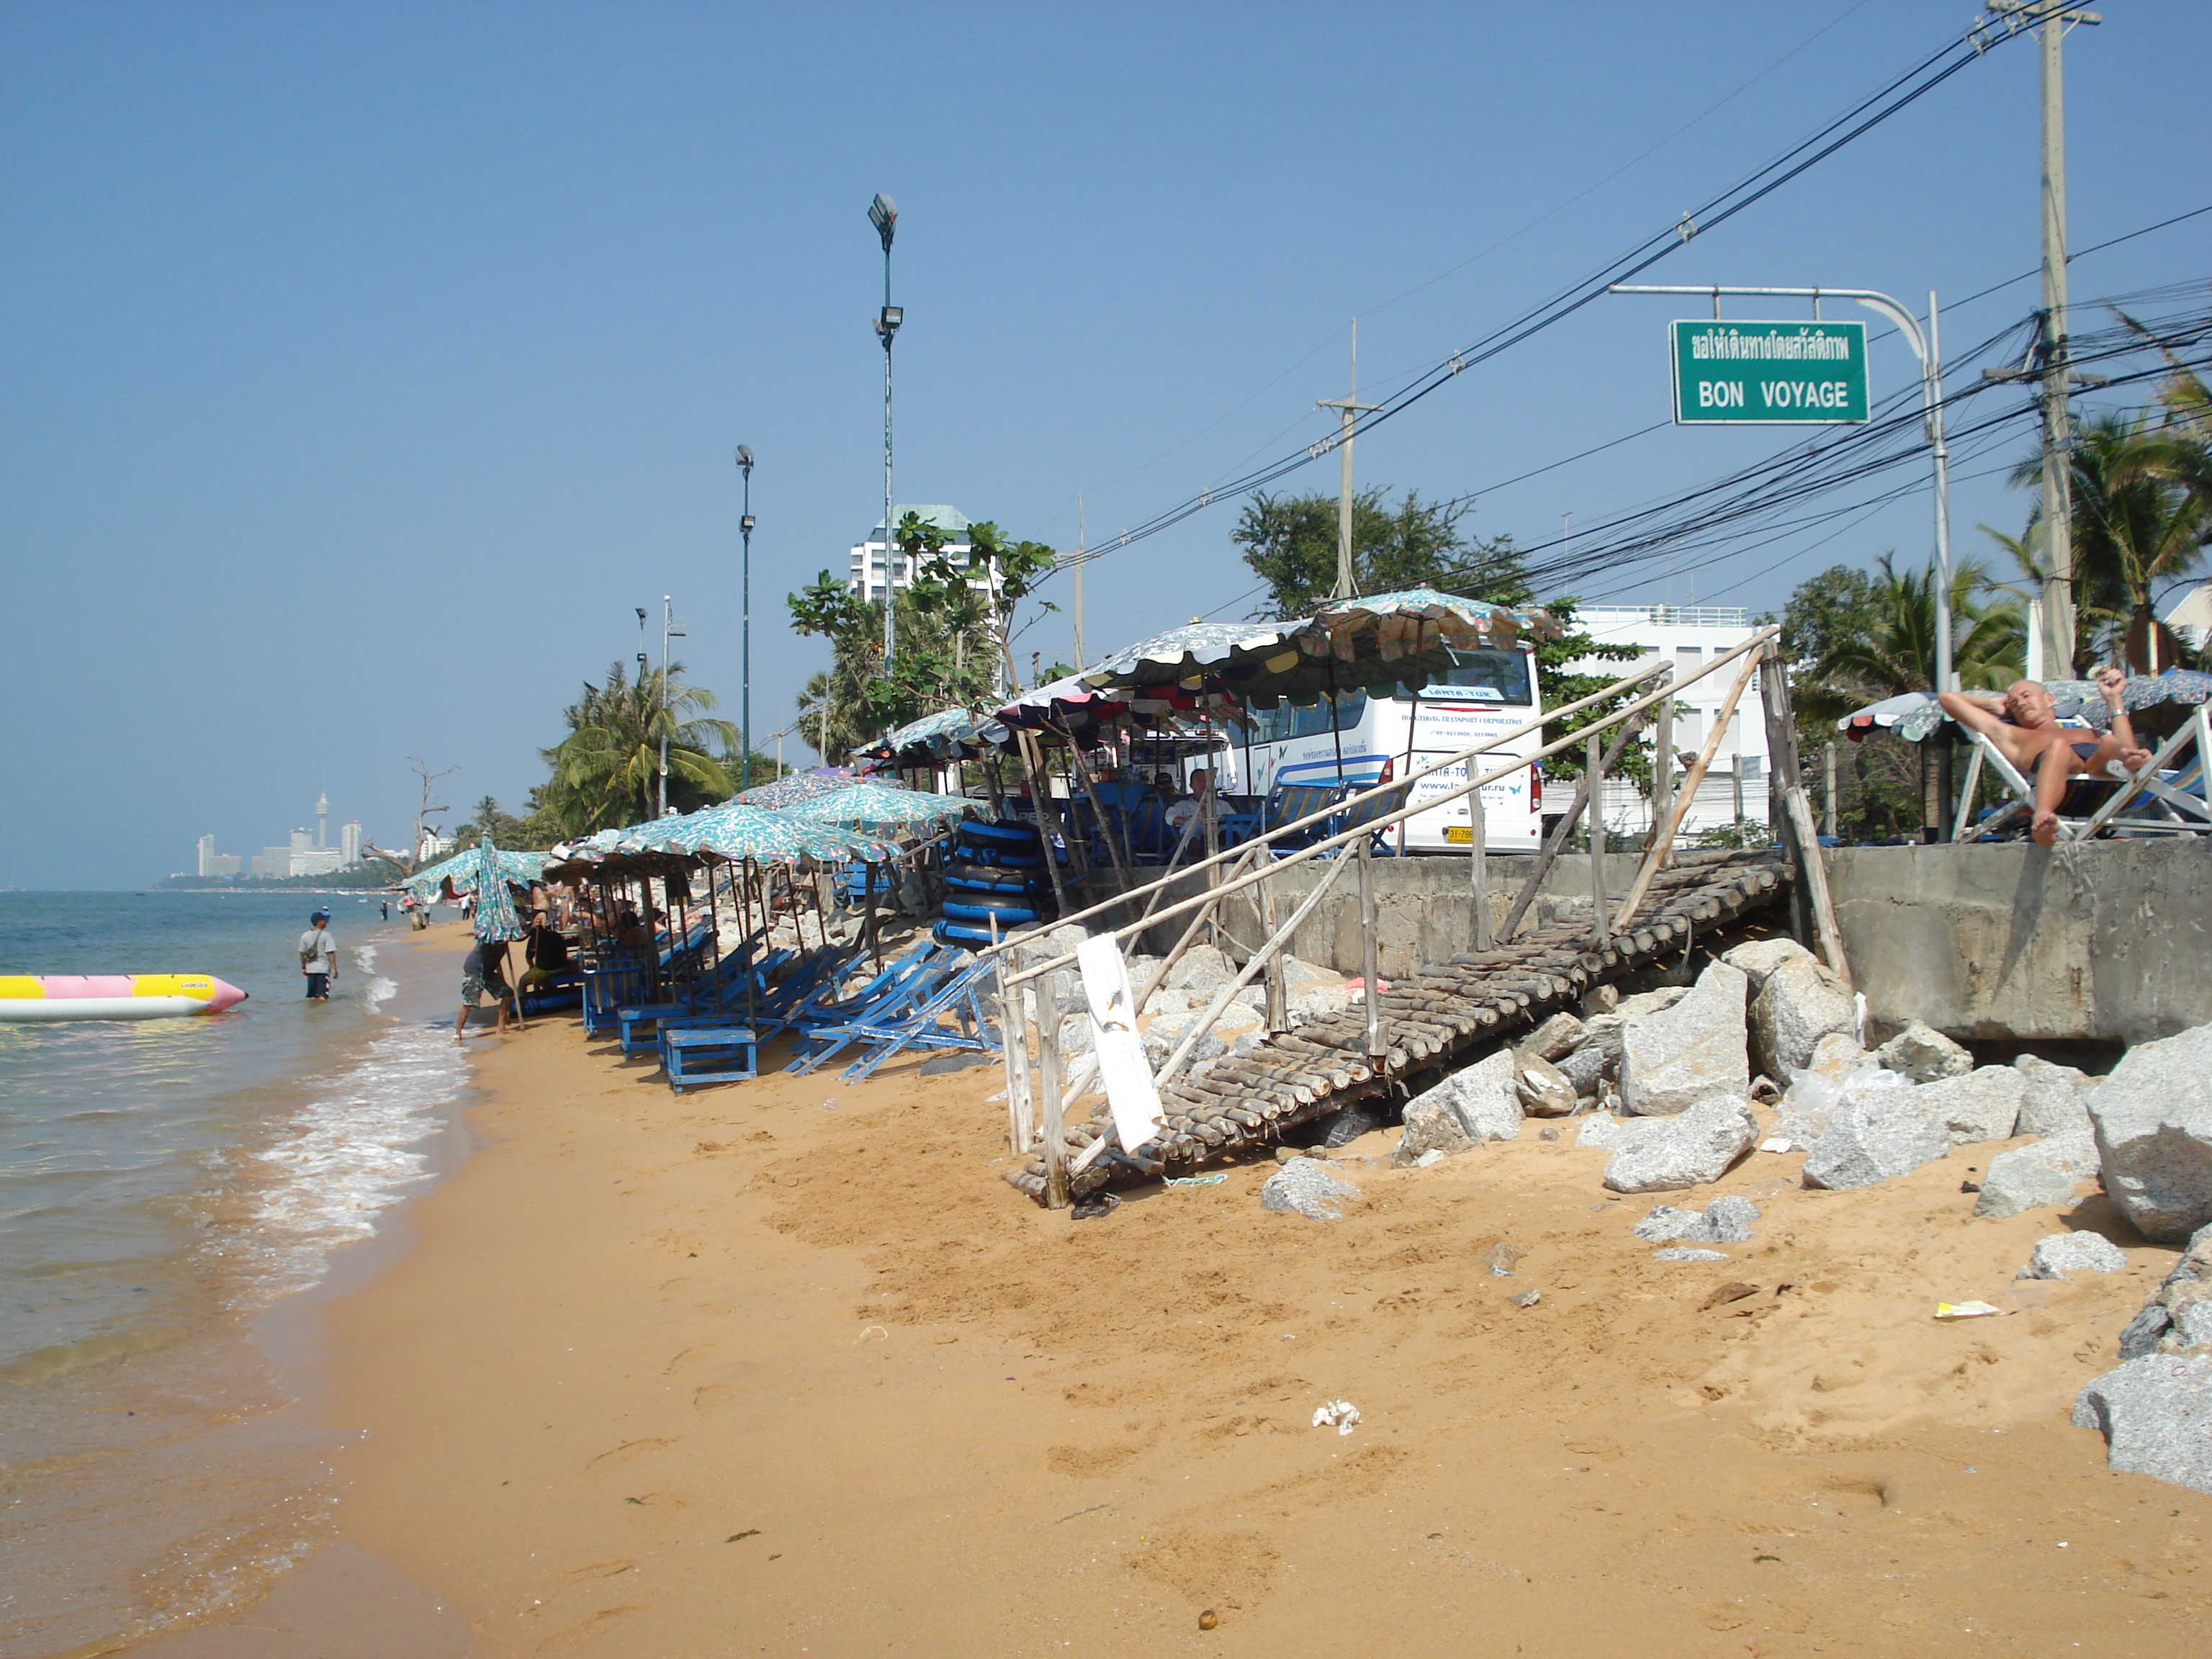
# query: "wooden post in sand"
{"type": "Point", "coordinates": [1593, 770]}
{"type": "Point", "coordinates": [1798, 813]}
{"type": "Point", "coordinates": [1278, 995]}
{"type": "Point", "coordinates": [1662, 771]}
{"type": "Point", "coordinates": [1367, 953]}
{"type": "Point", "coordinates": [1048, 1083]}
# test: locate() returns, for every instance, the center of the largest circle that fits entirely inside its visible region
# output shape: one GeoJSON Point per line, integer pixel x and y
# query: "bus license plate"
{"type": "Point", "coordinates": [1461, 834]}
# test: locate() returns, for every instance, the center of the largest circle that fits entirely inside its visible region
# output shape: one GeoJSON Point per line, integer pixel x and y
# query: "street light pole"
{"type": "Point", "coordinates": [1926, 347]}
{"type": "Point", "coordinates": [883, 214]}
{"type": "Point", "coordinates": [668, 630]}
{"type": "Point", "coordinates": [745, 638]}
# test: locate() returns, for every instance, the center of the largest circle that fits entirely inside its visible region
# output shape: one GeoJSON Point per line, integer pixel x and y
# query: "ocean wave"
{"type": "Point", "coordinates": [348, 1153]}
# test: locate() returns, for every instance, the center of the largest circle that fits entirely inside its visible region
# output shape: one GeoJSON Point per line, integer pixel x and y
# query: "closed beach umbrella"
{"type": "Point", "coordinates": [495, 918]}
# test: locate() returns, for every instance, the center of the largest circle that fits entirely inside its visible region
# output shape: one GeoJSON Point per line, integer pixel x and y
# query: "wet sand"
{"type": "Point", "coordinates": [785, 1368]}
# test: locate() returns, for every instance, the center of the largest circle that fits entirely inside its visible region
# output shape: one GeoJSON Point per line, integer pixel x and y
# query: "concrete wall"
{"type": "Point", "coordinates": [2109, 940]}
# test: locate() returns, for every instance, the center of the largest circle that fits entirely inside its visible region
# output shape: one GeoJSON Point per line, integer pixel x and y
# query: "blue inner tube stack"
{"type": "Point", "coordinates": [993, 871]}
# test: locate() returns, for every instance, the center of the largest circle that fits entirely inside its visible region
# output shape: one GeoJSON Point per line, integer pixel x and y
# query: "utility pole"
{"type": "Point", "coordinates": [1079, 663]}
{"type": "Point", "coordinates": [1349, 409]}
{"type": "Point", "coordinates": [883, 214]}
{"type": "Point", "coordinates": [2052, 19]}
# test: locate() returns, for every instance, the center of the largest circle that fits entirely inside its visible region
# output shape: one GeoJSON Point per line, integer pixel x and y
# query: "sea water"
{"type": "Point", "coordinates": [165, 1185]}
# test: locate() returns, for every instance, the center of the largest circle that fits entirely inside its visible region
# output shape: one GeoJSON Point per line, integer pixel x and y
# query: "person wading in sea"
{"type": "Point", "coordinates": [481, 973]}
{"type": "Point", "coordinates": [319, 957]}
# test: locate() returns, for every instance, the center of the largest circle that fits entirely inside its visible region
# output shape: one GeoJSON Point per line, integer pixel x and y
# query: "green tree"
{"type": "Point", "coordinates": [2141, 515]}
{"type": "Point", "coordinates": [606, 772]}
{"type": "Point", "coordinates": [954, 626]}
{"type": "Point", "coordinates": [1289, 542]}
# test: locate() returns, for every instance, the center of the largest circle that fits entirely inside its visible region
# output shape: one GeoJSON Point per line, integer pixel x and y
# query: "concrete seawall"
{"type": "Point", "coordinates": [2110, 940]}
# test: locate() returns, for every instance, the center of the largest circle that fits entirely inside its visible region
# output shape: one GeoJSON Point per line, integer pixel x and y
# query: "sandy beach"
{"type": "Point", "coordinates": [785, 1368]}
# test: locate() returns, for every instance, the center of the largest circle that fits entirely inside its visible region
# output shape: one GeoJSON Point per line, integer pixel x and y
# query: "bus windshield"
{"type": "Point", "coordinates": [1483, 676]}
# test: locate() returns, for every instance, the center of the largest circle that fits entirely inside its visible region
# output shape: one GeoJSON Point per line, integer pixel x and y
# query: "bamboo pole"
{"type": "Point", "coordinates": [1662, 768]}
{"type": "Point", "coordinates": [1690, 780]}
{"type": "Point", "coordinates": [1268, 952]}
{"type": "Point", "coordinates": [1812, 867]}
{"type": "Point", "coordinates": [1365, 856]}
{"type": "Point", "coordinates": [1330, 843]}
{"type": "Point", "coordinates": [1041, 800]}
{"type": "Point", "coordinates": [1565, 827]}
{"type": "Point", "coordinates": [1278, 993]}
{"type": "Point", "coordinates": [1055, 1139]}
{"type": "Point", "coordinates": [1593, 772]}
{"type": "Point", "coordinates": [1182, 946]}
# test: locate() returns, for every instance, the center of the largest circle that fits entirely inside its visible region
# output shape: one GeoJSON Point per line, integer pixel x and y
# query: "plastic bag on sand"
{"type": "Point", "coordinates": [1812, 1099]}
{"type": "Point", "coordinates": [1339, 1414]}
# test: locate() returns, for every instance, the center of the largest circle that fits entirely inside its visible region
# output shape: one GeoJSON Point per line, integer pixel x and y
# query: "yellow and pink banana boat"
{"type": "Point", "coordinates": [113, 996]}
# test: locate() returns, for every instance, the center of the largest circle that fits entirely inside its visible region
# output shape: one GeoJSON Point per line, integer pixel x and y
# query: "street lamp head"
{"type": "Point", "coordinates": [883, 214]}
{"type": "Point", "coordinates": [641, 613]}
{"type": "Point", "coordinates": [887, 320]}
{"type": "Point", "coordinates": [747, 523]}
{"type": "Point", "coordinates": [745, 459]}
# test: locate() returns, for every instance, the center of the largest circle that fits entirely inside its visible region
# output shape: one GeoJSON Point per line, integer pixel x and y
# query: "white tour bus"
{"type": "Point", "coordinates": [1380, 739]}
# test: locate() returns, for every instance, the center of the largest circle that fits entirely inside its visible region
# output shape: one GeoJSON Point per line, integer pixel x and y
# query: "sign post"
{"type": "Point", "coordinates": [1769, 374]}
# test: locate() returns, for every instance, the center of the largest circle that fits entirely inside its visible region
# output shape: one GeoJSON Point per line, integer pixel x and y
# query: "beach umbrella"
{"type": "Point", "coordinates": [460, 872]}
{"type": "Point", "coordinates": [950, 734]}
{"type": "Point", "coordinates": [882, 806]}
{"type": "Point", "coordinates": [495, 918]}
{"type": "Point", "coordinates": [798, 787]}
{"type": "Point", "coordinates": [737, 831]}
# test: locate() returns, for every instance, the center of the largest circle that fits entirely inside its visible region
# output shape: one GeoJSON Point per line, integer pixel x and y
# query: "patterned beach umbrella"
{"type": "Point", "coordinates": [735, 830]}
{"type": "Point", "coordinates": [460, 871]}
{"type": "Point", "coordinates": [798, 787]}
{"type": "Point", "coordinates": [495, 918]}
{"type": "Point", "coordinates": [881, 806]}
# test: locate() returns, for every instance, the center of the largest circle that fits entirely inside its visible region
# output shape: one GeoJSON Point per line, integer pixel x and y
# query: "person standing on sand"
{"type": "Point", "coordinates": [481, 973]}
{"type": "Point", "coordinates": [319, 957]}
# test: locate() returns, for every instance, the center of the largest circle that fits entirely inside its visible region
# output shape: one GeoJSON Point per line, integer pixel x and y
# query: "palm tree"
{"type": "Point", "coordinates": [606, 772]}
{"type": "Point", "coordinates": [1895, 651]}
{"type": "Point", "coordinates": [2142, 510]}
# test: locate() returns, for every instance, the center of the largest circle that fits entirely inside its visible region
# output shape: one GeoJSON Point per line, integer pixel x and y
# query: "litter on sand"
{"type": "Point", "coordinates": [1964, 1311]}
{"type": "Point", "coordinates": [1339, 1414]}
{"type": "Point", "coordinates": [1196, 1181]}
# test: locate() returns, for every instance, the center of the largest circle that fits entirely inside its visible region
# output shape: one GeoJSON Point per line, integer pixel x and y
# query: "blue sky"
{"type": "Point", "coordinates": [366, 365]}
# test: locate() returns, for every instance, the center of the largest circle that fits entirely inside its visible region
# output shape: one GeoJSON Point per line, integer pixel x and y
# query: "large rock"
{"type": "Point", "coordinates": [1763, 957]}
{"type": "Point", "coordinates": [2061, 1255]}
{"type": "Point", "coordinates": [1679, 1056]}
{"type": "Point", "coordinates": [2155, 1414]}
{"type": "Point", "coordinates": [1297, 972]}
{"type": "Point", "coordinates": [1479, 1104]}
{"type": "Point", "coordinates": [1305, 1185]}
{"type": "Point", "coordinates": [1587, 1069]}
{"type": "Point", "coordinates": [1203, 969]}
{"type": "Point", "coordinates": [1554, 1038]}
{"type": "Point", "coordinates": [2179, 1309]}
{"type": "Point", "coordinates": [1542, 1089]}
{"type": "Point", "coordinates": [1983, 1105]}
{"type": "Point", "coordinates": [1317, 999]}
{"type": "Point", "coordinates": [1924, 1054]}
{"type": "Point", "coordinates": [1877, 1129]}
{"type": "Point", "coordinates": [1695, 1145]}
{"type": "Point", "coordinates": [2037, 1177]}
{"type": "Point", "coordinates": [1795, 1002]}
{"type": "Point", "coordinates": [2053, 1099]}
{"type": "Point", "coordinates": [1606, 1132]}
{"type": "Point", "coordinates": [1835, 1056]}
{"type": "Point", "coordinates": [2152, 1117]}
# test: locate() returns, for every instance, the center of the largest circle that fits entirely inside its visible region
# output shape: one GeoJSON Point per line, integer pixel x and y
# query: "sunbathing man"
{"type": "Point", "coordinates": [2024, 727]}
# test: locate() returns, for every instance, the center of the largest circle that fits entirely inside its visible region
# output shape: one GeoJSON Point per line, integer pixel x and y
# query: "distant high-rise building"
{"type": "Point", "coordinates": [870, 559]}
{"type": "Point", "coordinates": [349, 843]}
{"type": "Point", "coordinates": [313, 861]}
{"type": "Point", "coordinates": [207, 855]}
{"type": "Point", "coordinates": [222, 864]}
{"type": "Point", "coordinates": [273, 862]}
{"type": "Point", "coordinates": [322, 820]}
{"type": "Point", "coordinates": [303, 841]}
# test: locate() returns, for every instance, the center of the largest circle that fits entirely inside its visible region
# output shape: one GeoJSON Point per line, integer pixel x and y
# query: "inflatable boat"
{"type": "Point", "coordinates": [113, 996]}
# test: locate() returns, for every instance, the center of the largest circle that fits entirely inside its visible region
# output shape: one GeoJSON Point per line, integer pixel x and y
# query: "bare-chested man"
{"type": "Point", "coordinates": [2022, 725]}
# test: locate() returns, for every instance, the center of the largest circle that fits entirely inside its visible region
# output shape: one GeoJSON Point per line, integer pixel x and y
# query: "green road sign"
{"type": "Point", "coordinates": [1769, 374]}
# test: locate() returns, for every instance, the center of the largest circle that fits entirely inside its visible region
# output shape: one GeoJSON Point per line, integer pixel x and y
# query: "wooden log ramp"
{"type": "Point", "coordinates": [1435, 1020]}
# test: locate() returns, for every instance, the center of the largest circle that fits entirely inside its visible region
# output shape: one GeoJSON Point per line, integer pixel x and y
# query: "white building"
{"type": "Point", "coordinates": [1692, 635]}
{"type": "Point", "coordinates": [223, 864]}
{"type": "Point", "coordinates": [206, 855]}
{"type": "Point", "coordinates": [866, 576]}
{"type": "Point", "coordinates": [349, 843]}
{"type": "Point", "coordinates": [273, 862]}
{"type": "Point", "coordinates": [434, 846]}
